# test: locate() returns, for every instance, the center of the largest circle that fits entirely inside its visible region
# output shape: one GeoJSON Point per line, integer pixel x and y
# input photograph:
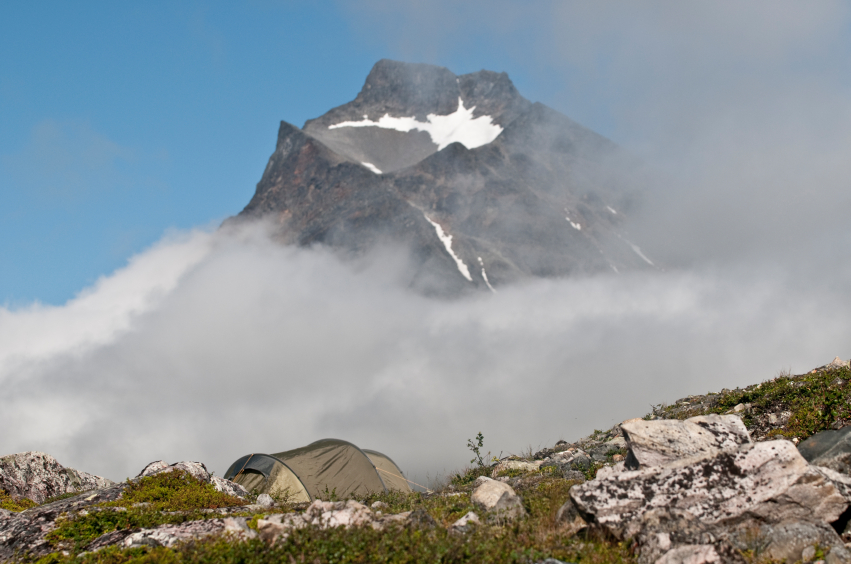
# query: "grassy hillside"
{"type": "Point", "coordinates": [792, 407]}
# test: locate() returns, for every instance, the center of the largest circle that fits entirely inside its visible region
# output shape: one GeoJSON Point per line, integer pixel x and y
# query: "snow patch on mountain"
{"type": "Point", "coordinates": [460, 126]}
{"type": "Point", "coordinates": [372, 167]}
{"type": "Point", "coordinates": [446, 239]}
{"type": "Point", "coordinates": [639, 253]}
{"type": "Point", "coordinates": [574, 225]}
{"type": "Point", "coordinates": [485, 275]}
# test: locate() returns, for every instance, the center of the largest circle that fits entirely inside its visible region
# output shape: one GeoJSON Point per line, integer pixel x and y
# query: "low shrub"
{"type": "Point", "coordinates": [167, 498]}
{"type": "Point", "coordinates": [16, 504]}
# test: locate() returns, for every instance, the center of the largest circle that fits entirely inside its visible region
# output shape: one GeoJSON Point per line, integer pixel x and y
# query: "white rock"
{"type": "Point", "coordinates": [265, 500]}
{"type": "Point", "coordinates": [337, 514]}
{"type": "Point", "coordinates": [691, 554]}
{"type": "Point", "coordinates": [617, 442]}
{"type": "Point", "coordinates": [497, 498]}
{"type": "Point", "coordinates": [660, 442]}
{"type": "Point", "coordinates": [517, 465]}
{"type": "Point", "coordinates": [231, 488]}
{"type": "Point", "coordinates": [607, 471]}
{"type": "Point", "coordinates": [170, 535]}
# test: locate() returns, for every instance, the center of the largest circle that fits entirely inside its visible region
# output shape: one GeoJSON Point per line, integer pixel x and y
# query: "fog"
{"type": "Point", "coordinates": [213, 344]}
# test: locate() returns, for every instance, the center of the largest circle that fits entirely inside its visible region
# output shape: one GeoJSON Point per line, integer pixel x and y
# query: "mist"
{"type": "Point", "coordinates": [216, 343]}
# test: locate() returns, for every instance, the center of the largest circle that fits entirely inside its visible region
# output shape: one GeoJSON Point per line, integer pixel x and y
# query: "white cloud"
{"type": "Point", "coordinates": [243, 345]}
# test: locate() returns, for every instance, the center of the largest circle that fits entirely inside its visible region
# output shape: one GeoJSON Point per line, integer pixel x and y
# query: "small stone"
{"type": "Point", "coordinates": [379, 505]}
{"type": "Point", "coordinates": [808, 553]}
{"type": "Point", "coordinates": [265, 500]}
{"type": "Point", "coordinates": [617, 458]}
{"type": "Point", "coordinates": [521, 465]}
{"type": "Point", "coordinates": [691, 554]}
{"type": "Point", "coordinates": [739, 408]}
{"type": "Point", "coordinates": [464, 524]}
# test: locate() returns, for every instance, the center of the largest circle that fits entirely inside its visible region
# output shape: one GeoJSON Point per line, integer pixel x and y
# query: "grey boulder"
{"type": "Point", "coordinates": [829, 449]}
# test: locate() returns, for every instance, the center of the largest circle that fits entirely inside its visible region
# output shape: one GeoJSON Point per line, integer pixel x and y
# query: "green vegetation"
{"type": "Point", "coordinates": [528, 540]}
{"type": "Point", "coordinates": [359, 545]}
{"type": "Point", "coordinates": [816, 401]}
{"type": "Point", "coordinates": [786, 406]}
{"type": "Point", "coordinates": [475, 446]}
{"type": "Point", "coordinates": [61, 497]}
{"type": "Point", "coordinates": [10, 503]}
{"type": "Point", "coordinates": [174, 491]}
{"type": "Point", "coordinates": [167, 498]}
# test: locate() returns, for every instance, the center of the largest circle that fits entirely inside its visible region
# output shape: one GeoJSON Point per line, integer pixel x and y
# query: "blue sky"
{"type": "Point", "coordinates": [119, 121]}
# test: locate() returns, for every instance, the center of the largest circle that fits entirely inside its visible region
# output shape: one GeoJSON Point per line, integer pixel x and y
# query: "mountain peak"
{"type": "Point", "coordinates": [483, 186]}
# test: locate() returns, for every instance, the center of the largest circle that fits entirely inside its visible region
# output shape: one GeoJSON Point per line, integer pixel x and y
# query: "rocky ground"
{"type": "Point", "coordinates": [761, 474]}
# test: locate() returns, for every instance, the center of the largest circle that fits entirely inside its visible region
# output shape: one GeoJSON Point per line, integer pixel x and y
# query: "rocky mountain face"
{"type": "Point", "coordinates": [482, 186]}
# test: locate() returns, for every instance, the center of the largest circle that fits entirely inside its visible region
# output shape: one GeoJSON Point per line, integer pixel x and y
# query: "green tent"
{"type": "Point", "coordinates": [318, 470]}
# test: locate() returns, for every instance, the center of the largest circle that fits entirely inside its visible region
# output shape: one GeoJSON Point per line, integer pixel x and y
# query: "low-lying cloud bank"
{"type": "Point", "coordinates": [212, 345]}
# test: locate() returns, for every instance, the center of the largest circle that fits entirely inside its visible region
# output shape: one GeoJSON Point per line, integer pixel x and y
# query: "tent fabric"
{"type": "Point", "coordinates": [333, 466]}
{"type": "Point", "coordinates": [319, 470]}
{"type": "Point", "coordinates": [266, 474]}
{"type": "Point", "coordinates": [389, 472]}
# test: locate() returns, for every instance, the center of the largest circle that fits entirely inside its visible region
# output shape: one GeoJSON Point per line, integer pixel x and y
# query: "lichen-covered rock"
{"type": "Point", "coordinates": [323, 514]}
{"type": "Point", "coordinates": [152, 468]}
{"type": "Point", "coordinates": [170, 535]}
{"type": "Point", "coordinates": [838, 555]}
{"type": "Point", "coordinates": [497, 498]}
{"type": "Point", "coordinates": [39, 476]}
{"type": "Point", "coordinates": [660, 442]}
{"type": "Point", "coordinates": [783, 542]}
{"type": "Point", "coordinates": [769, 481]}
{"type": "Point", "coordinates": [228, 487]}
{"type": "Point", "coordinates": [25, 532]}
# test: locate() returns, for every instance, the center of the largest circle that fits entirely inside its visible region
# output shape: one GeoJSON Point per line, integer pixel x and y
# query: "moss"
{"type": "Point", "coordinates": [166, 498]}
{"type": "Point", "coordinates": [174, 491]}
{"type": "Point", "coordinates": [61, 497]}
{"type": "Point", "coordinates": [16, 504]}
{"type": "Point", "coordinates": [492, 544]}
